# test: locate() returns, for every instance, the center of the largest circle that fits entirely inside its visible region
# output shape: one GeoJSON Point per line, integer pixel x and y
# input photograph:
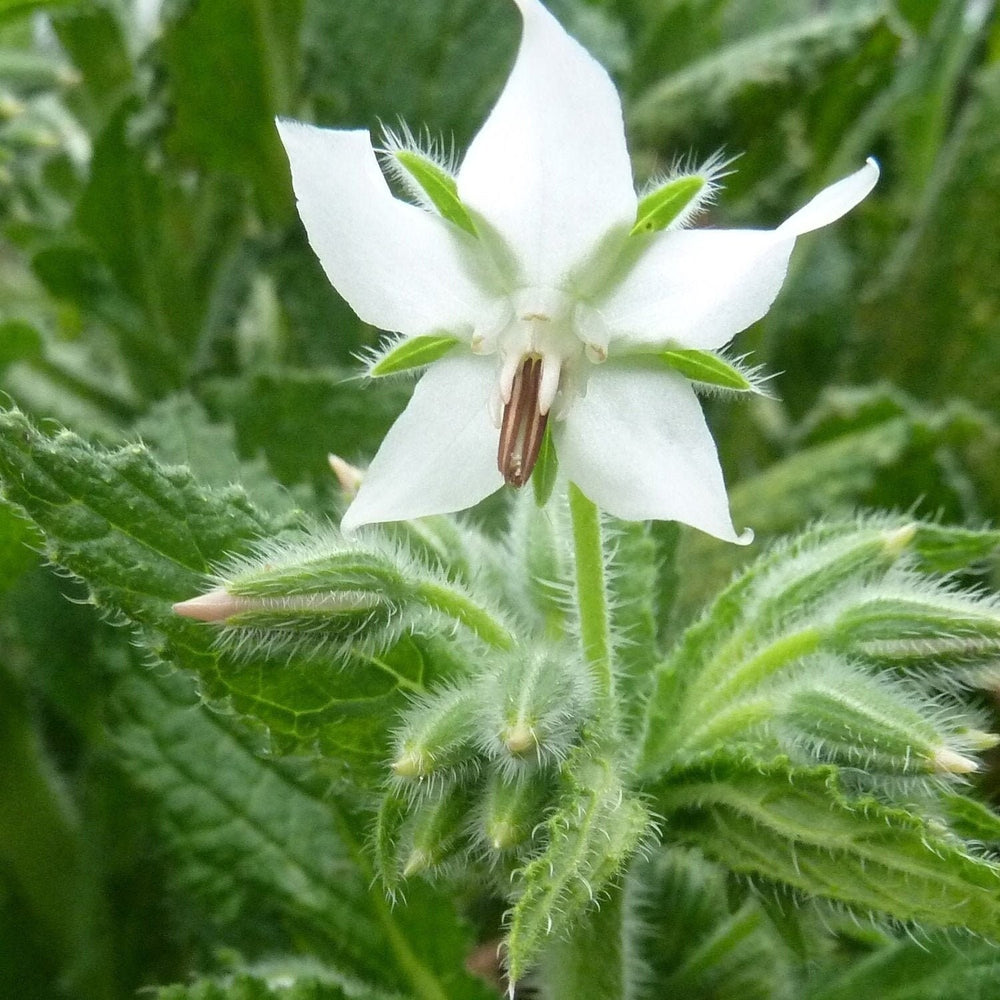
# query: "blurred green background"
{"type": "Point", "coordinates": [155, 283]}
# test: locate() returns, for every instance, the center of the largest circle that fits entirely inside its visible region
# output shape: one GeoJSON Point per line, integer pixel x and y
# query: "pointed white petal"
{"type": "Point", "coordinates": [398, 266]}
{"type": "Point", "coordinates": [549, 168]}
{"type": "Point", "coordinates": [637, 444]}
{"type": "Point", "coordinates": [833, 202]}
{"type": "Point", "coordinates": [698, 287]}
{"type": "Point", "coordinates": [440, 454]}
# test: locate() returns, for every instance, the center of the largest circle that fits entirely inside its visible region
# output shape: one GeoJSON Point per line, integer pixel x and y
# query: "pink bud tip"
{"type": "Point", "coordinates": [215, 606]}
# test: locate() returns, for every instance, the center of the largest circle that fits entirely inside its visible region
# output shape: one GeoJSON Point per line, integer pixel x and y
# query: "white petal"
{"type": "Point", "coordinates": [833, 202]}
{"type": "Point", "coordinates": [440, 454]}
{"type": "Point", "coordinates": [398, 266]}
{"type": "Point", "coordinates": [698, 287]}
{"type": "Point", "coordinates": [550, 169]}
{"type": "Point", "coordinates": [637, 445]}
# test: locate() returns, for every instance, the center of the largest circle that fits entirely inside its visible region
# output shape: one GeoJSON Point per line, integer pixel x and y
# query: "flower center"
{"type": "Point", "coordinates": [542, 336]}
{"type": "Point", "coordinates": [523, 425]}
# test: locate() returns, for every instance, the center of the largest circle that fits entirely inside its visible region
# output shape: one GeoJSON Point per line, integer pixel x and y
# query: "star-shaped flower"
{"type": "Point", "coordinates": [545, 295]}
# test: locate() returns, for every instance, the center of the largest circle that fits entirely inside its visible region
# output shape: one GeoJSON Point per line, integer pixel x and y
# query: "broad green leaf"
{"type": "Point", "coordinates": [16, 541]}
{"type": "Point", "coordinates": [11, 9]}
{"type": "Point", "coordinates": [438, 185]}
{"type": "Point", "coordinates": [355, 50]}
{"type": "Point", "coordinates": [285, 981]}
{"type": "Point", "coordinates": [43, 851]}
{"type": "Point", "coordinates": [93, 37]}
{"type": "Point", "coordinates": [868, 448]}
{"type": "Point", "coordinates": [180, 433]}
{"type": "Point", "coordinates": [414, 352]}
{"type": "Point", "coordinates": [224, 807]}
{"type": "Point", "coordinates": [796, 826]}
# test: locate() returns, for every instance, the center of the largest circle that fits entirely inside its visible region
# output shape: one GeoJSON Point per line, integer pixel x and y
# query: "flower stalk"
{"type": "Point", "coordinates": [592, 594]}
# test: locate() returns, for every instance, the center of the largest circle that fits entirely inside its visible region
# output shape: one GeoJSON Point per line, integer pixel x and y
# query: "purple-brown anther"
{"type": "Point", "coordinates": [523, 424]}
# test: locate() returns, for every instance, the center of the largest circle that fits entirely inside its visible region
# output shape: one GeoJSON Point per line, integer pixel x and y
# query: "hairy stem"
{"type": "Point", "coordinates": [592, 593]}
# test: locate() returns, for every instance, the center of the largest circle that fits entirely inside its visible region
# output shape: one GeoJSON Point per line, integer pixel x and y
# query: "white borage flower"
{"type": "Point", "coordinates": [548, 300]}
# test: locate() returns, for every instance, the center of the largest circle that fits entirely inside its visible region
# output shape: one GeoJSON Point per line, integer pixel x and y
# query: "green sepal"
{"type": "Point", "coordinates": [661, 207]}
{"type": "Point", "coordinates": [414, 352]}
{"type": "Point", "coordinates": [704, 366]}
{"type": "Point", "coordinates": [438, 185]}
{"type": "Point", "coordinates": [543, 478]}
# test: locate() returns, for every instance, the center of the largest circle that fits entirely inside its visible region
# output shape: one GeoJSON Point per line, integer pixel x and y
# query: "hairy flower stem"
{"type": "Point", "coordinates": [592, 596]}
{"type": "Point", "coordinates": [450, 602]}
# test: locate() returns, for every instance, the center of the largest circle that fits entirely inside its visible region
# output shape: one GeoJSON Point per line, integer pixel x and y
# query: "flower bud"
{"type": "Point", "coordinates": [839, 713]}
{"type": "Point", "coordinates": [436, 736]}
{"type": "Point", "coordinates": [511, 808]}
{"type": "Point", "coordinates": [437, 829]}
{"type": "Point", "coordinates": [533, 707]}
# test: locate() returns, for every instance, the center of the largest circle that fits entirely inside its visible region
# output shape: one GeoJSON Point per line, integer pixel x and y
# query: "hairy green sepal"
{"type": "Point", "coordinates": [414, 352]}
{"type": "Point", "coordinates": [438, 185]}
{"type": "Point", "coordinates": [704, 366]}
{"type": "Point", "coordinates": [661, 207]}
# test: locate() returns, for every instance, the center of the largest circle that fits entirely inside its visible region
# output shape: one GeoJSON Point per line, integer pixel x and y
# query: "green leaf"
{"type": "Point", "coordinates": [939, 277]}
{"type": "Point", "coordinates": [457, 54]}
{"type": "Point", "coordinates": [414, 352]}
{"type": "Point", "coordinates": [225, 807]}
{"type": "Point", "coordinates": [699, 936]}
{"type": "Point", "coordinates": [863, 448]}
{"type": "Point", "coordinates": [935, 967]}
{"type": "Point", "coordinates": [16, 541]}
{"type": "Point", "coordinates": [44, 853]}
{"type": "Point", "coordinates": [796, 826]}
{"type": "Point", "coordinates": [438, 185]}
{"type": "Point", "coordinates": [19, 341]}
{"type": "Point", "coordinates": [296, 417]}
{"type": "Point", "coordinates": [661, 207]}
{"type": "Point", "coordinates": [223, 120]}
{"type": "Point", "coordinates": [291, 980]}
{"type": "Point", "coordinates": [180, 433]}
{"type": "Point", "coordinates": [819, 70]}
{"type": "Point", "coordinates": [704, 366]}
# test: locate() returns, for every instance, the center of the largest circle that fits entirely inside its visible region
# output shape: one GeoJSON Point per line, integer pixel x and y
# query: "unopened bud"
{"type": "Point", "coordinates": [436, 735]}
{"type": "Point", "coordinates": [349, 476]}
{"type": "Point", "coordinates": [949, 761]}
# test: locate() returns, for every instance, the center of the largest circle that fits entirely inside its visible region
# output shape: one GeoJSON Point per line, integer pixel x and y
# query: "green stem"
{"type": "Point", "coordinates": [456, 605]}
{"type": "Point", "coordinates": [592, 592]}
